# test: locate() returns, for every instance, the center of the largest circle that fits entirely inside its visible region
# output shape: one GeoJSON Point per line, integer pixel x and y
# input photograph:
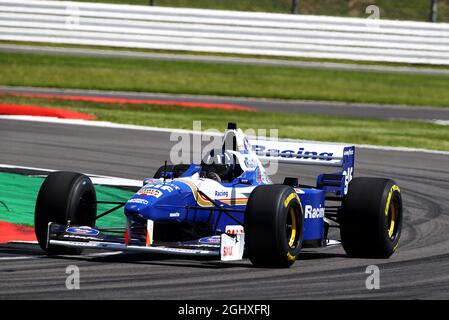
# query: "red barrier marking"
{"type": "Point", "coordinates": [26, 110]}
{"type": "Point", "coordinates": [10, 231]}
{"type": "Point", "coordinates": [133, 101]}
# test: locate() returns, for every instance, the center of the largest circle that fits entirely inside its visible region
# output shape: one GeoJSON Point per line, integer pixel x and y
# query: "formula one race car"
{"type": "Point", "coordinates": [227, 206]}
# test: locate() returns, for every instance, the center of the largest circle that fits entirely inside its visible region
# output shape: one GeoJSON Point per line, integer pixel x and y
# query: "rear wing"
{"type": "Point", "coordinates": [321, 154]}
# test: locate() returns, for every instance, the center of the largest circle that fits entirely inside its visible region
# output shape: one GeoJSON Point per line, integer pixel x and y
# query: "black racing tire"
{"type": "Point", "coordinates": [371, 218]}
{"type": "Point", "coordinates": [274, 226]}
{"type": "Point", "coordinates": [62, 197]}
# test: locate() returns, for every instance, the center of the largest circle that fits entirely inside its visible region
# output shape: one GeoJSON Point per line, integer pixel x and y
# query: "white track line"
{"type": "Point", "coordinates": [106, 124]}
{"type": "Point", "coordinates": [91, 255]}
{"type": "Point", "coordinates": [96, 179]}
{"type": "Point", "coordinates": [101, 124]}
{"type": "Point", "coordinates": [441, 122]}
{"type": "Point", "coordinates": [21, 258]}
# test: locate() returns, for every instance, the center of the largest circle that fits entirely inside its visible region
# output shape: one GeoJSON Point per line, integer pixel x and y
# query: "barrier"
{"type": "Point", "coordinates": [218, 31]}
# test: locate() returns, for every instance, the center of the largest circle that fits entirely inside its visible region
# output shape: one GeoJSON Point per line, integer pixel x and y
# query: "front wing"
{"type": "Point", "coordinates": [227, 246]}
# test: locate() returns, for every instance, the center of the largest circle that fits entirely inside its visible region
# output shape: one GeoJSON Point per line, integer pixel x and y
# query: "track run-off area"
{"type": "Point", "coordinates": [362, 110]}
{"type": "Point", "coordinates": [419, 269]}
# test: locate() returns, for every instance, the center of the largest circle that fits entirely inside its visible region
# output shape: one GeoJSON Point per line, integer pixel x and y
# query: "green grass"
{"type": "Point", "coordinates": [300, 126]}
{"type": "Point", "coordinates": [233, 55]}
{"type": "Point", "coordinates": [397, 9]}
{"type": "Point", "coordinates": [17, 202]}
{"type": "Point", "coordinates": [221, 79]}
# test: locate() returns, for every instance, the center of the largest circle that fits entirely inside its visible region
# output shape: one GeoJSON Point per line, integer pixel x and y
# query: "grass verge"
{"type": "Point", "coordinates": [17, 203]}
{"type": "Point", "coordinates": [221, 79]}
{"type": "Point", "coordinates": [228, 55]}
{"type": "Point", "coordinates": [299, 126]}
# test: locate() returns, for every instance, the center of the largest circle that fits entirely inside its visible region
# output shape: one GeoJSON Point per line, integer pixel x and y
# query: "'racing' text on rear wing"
{"type": "Point", "coordinates": [321, 154]}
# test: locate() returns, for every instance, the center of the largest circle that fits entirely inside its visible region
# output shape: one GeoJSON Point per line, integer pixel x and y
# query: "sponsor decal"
{"type": "Point", "coordinates": [300, 153]}
{"type": "Point", "coordinates": [167, 186]}
{"type": "Point", "coordinates": [202, 201]}
{"type": "Point", "coordinates": [175, 250]}
{"type": "Point", "coordinates": [227, 251]}
{"type": "Point", "coordinates": [139, 201]}
{"type": "Point", "coordinates": [221, 194]}
{"type": "Point", "coordinates": [149, 192]}
{"type": "Point", "coordinates": [174, 214]}
{"type": "Point", "coordinates": [237, 229]}
{"type": "Point", "coordinates": [349, 152]}
{"type": "Point", "coordinates": [232, 246]}
{"type": "Point", "coordinates": [85, 244]}
{"type": "Point", "coordinates": [80, 237]}
{"type": "Point", "coordinates": [210, 240]}
{"type": "Point", "coordinates": [88, 231]}
{"type": "Point", "coordinates": [313, 213]}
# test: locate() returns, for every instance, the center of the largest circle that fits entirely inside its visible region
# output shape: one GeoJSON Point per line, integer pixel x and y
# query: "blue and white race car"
{"type": "Point", "coordinates": [227, 207]}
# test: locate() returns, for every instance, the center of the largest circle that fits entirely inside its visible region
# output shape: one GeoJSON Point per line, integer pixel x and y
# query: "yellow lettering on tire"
{"type": "Point", "coordinates": [393, 188]}
{"type": "Point", "coordinates": [290, 197]}
{"type": "Point", "coordinates": [291, 257]}
{"type": "Point", "coordinates": [393, 214]}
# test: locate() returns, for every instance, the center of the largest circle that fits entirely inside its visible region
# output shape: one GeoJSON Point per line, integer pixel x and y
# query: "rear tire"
{"type": "Point", "coordinates": [371, 218]}
{"type": "Point", "coordinates": [273, 226]}
{"type": "Point", "coordinates": [62, 197]}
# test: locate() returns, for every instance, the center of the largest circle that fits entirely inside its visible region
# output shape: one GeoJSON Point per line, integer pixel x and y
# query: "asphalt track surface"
{"type": "Point", "coordinates": [419, 269]}
{"type": "Point", "coordinates": [272, 105]}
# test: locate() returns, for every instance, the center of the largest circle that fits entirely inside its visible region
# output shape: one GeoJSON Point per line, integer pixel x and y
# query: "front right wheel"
{"type": "Point", "coordinates": [273, 226]}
